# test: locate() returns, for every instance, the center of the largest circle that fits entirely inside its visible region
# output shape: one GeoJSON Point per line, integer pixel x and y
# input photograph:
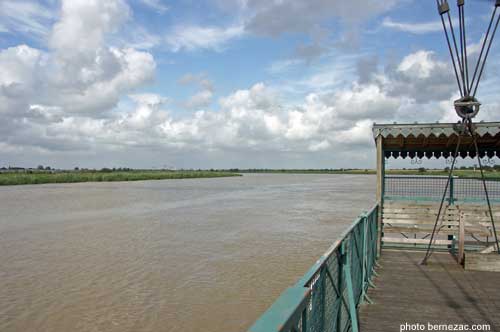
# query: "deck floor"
{"type": "Point", "coordinates": [438, 293]}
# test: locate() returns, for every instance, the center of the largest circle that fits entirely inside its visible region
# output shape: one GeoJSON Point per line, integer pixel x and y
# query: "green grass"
{"type": "Point", "coordinates": [13, 178]}
{"type": "Point", "coordinates": [40, 177]}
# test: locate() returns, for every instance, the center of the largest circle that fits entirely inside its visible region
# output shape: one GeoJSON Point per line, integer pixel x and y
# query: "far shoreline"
{"type": "Point", "coordinates": [51, 177]}
{"type": "Point", "coordinates": [36, 176]}
{"type": "Point", "coordinates": [491, 173]}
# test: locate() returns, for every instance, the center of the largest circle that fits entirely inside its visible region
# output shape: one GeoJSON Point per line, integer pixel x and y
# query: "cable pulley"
{"type": "Point", "coordinates": [467, 106]}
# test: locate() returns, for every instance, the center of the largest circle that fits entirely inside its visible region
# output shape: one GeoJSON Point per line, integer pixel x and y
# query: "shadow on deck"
{"type": "Point", "coordinates": [439, 293]}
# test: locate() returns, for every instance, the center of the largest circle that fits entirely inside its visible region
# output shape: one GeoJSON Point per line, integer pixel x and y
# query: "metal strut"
{"type": "Point", "coordinates": [473, 134]}
{"type": "Point", "coordinates": [467, 106]}
{"type": "Point", "coordinates": [450, 174]}
{"type": "Point", "coordinates": [467, 127]}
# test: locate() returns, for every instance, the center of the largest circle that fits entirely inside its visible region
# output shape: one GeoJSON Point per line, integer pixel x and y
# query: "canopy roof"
{"type": "Point", "coordinates": [436, 140]}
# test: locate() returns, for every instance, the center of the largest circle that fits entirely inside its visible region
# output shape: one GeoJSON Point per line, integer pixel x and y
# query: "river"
{"type": "Point", "coordinates": [174, 255]}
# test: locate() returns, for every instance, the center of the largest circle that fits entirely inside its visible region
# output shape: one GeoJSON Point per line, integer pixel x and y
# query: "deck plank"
{"type": "Point", "coordinates": [438, 293]}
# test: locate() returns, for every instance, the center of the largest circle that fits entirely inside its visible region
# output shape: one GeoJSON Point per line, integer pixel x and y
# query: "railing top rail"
{"type": "Point", "coordinates": [281, 314]}
{"type": "Point", "coordinates": [289, 309]}
{"type": "Point", "coordinates": [399, 176]}
{"type": "Point", "coordinates": [478, 178]}
{"type": "Point", "coordinates": [309, 275]}
{"type": "Point", "coordinates": [424, 177]}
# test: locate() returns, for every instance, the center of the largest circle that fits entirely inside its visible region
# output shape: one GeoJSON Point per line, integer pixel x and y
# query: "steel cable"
{"type": "Point", "coordinates": [482, 48]}
{"type": "Point", "coordinates": [473, 134]}
{"type": "Point", "coordinates": [450, 174]}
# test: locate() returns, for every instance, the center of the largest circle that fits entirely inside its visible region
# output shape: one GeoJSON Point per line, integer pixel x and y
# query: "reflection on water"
{"type": "Point", "coordinates": [174, 255]}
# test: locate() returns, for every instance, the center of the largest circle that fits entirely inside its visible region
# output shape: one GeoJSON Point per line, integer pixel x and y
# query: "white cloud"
{"type": "Point", "coordinates": [362, 101]}
{"type": "Point", "coordinates": [415, 28]}
{"type": "Point", "coordinates": [198, 79]}
{"type": "Point", "coordinates": [319, 146]}
{"type": "Point", "coordinates": [281, 66]}
{"type": "Point", "coordinates": [192, 38]}
{"type": "Point", "coordinates": [423, 77]}
{"type": "Point", "coordinates": [276, 16]}
{"type": "Point", "coordinates": [157, 5]}
{"type": "Point", "coordinates": [18, 64]}
{"type": "Point", "coordinates": [148, 99]}
{"type": "Point", "coordinates": [336, 73]}
{"type": "Point", "coordinates": [203, 97]}
{"type": "Point", "coordinates": [258, 97]}
{"type": "Point", "coordinates": [475, 48]}
{"type": "Point", "coordinates": [420, 64]}
{"type": "Point", "coordinates": [79, 74]}
{"type": "Point", "coordinates": [84, 24]}
{"type": "Point", "coordinates": [27, 17]}
{"type": "Point", "coordinates": [200, 100]}
{"type": "Point", "coordinates": [248, 120]}
{"type": "Point", "coordinates": [66, 99]}
{"type": "Point", "coordinates": [312, 18]}
{"type": "Point", "coordinates": [359, 134]}
{"type": "Point", "coordinates": [140, 38]}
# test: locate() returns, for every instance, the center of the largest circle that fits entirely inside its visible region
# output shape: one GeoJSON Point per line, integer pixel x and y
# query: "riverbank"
{"type": "Point", "coordinates": [490, 173]}
{"type": "Point", "coordinates": [41, 177]}
{"type": "Point", "coordinates": [20, 178]}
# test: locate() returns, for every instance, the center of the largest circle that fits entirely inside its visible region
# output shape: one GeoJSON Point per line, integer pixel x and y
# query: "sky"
{"type": "Point", "coordinates": [223, 83]}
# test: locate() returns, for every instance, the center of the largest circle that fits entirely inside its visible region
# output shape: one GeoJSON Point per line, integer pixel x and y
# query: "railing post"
{"type": "Point", "coordinates": [364, 217]}
{"type": "Point", "coordinates": [350, 291]}
{"type": "Point", "coordinates": [451, 199]}
{"type": "Point", "coordinates": [365, 231]}
{"type": "Point", "coordinates": [304, 320]}
{"type": "Point", "coordinates": [380, 188]}
{"type": "Point", "coordinates": [323, 297]}
{"type": "Point", "coordinates": [461, 238]}
{"type": "Point", "coordinates": [340, 282]}
{"type": "Point", "coordinates": [365, 249]}
{"type": "Point", "coordinates": [376, 230]}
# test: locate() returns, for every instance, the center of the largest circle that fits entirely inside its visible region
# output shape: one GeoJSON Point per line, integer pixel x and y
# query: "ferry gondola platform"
{"type": "Point", "coordinates": [441, 292]}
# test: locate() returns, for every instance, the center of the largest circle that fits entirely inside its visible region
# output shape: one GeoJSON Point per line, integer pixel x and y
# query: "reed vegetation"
{"type": "Point", "coordinates": [40, 177]}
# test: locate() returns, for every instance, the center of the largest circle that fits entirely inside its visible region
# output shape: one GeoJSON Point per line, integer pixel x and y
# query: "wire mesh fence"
{"type": "Point", "coordinates": [326, 298]}
{"type": "Point", "coordinates": [473, 189]}
{"type": "Point", "coordinates": [432, 188]}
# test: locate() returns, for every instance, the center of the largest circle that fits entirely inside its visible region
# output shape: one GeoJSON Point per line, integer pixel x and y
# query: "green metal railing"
{"type": "Point", "coordinates": [326, 298]}
{"type": "Point", "coordinates": [431, 188]}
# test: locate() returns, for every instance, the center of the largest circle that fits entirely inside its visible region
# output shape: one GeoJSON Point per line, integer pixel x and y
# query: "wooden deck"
{"type": "Point", "coordinates": [439, 293]}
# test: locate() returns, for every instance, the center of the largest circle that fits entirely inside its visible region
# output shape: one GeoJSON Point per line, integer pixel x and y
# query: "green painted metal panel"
{"type": "Point", "coordinates": [350, 292]}
{"type": "Point", "coordinates": [326, 298]}
{"type": "Point", "coordinates": [281, 315]}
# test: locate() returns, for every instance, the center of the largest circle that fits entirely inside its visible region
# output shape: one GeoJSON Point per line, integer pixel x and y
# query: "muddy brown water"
{"type": "Point", "coordinates": [174, 255]}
